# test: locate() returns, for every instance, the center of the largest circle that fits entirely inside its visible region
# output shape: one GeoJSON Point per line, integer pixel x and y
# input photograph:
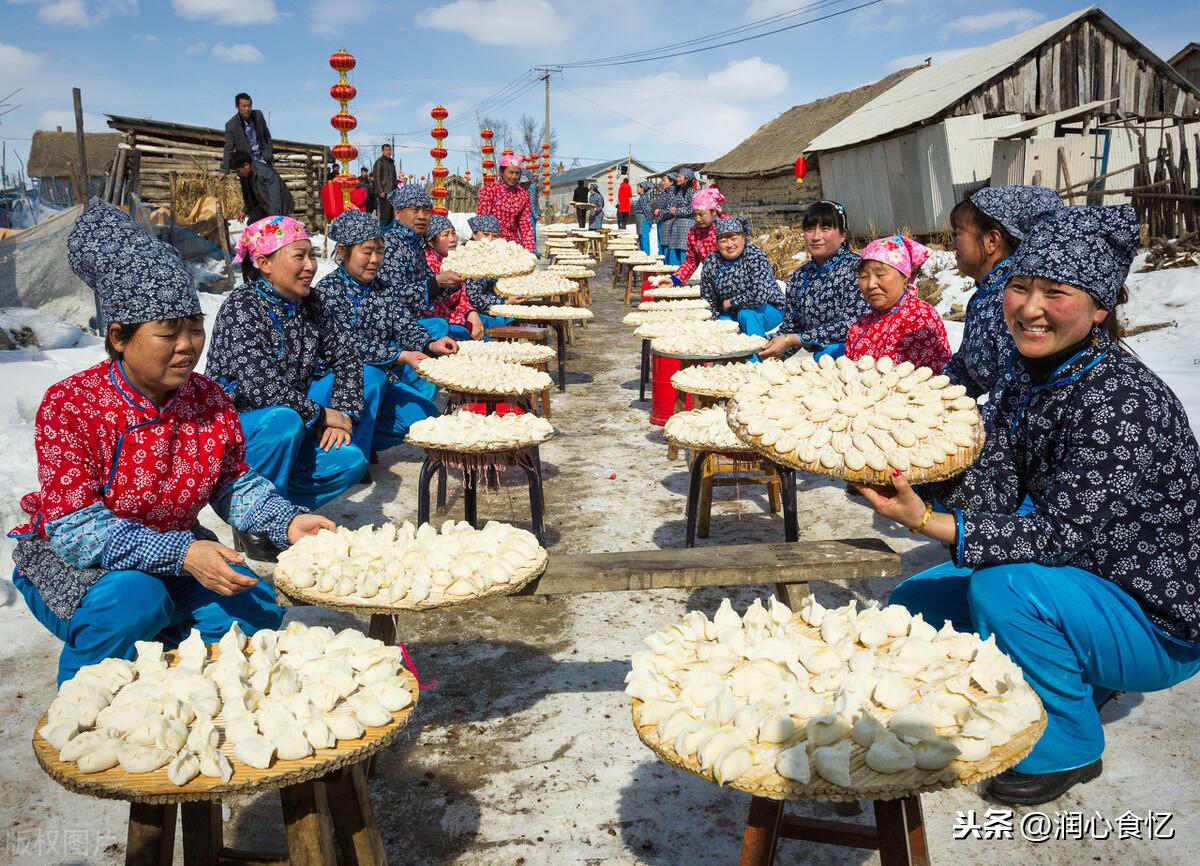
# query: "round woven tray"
{"type": "Point", "coordinates": [655, 269]}
{"type": "Point", "coordinates": [950, 467]}
{"type": "Point", "coordinates": [544, 354]}
{"type": "Point", "coordinates": [673, 293]}
{"type": "Point", "coordinates": [561, 314]}
{"type": "Point", "coordinates": [708, 356]}
{"type": "Point", "coordinates": [436, 448]}
{"type": "Point", "coordinates": [156, 788]}
{"type": "Point", "coordinates": [706, 392]}
{"type": "Point", "coordinates": [868, 784]}
{"type": "Point", "coordinates": [490, 392]}
{"type": "Point", "coordinates": [691, 445]}
{"type": "Point", "coordinates": [572, 275]}
{"type": "Point", "coordinates": [367, 605]}
{"type": "Point", "coordinates": [495, 274]}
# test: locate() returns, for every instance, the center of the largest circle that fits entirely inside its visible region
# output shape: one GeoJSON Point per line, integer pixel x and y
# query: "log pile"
{"type": "Point", "coordinates": [1182, 252]}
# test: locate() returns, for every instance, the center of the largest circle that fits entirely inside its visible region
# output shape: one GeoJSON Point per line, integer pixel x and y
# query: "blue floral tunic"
{"type": "Point", "coordinates": [482, 294]}
{"type": "Point", "coordinates": [986, 345]}
{"type": "Point", "coordinates": [405, 272]}
{"type": "Point", "coordinates": [823, 301]}
{"type": "Point", "coordinates": [746, 282]}
{"type": "Point", "coordinates": [1104, 450]}
{"type": "Point", "coordinates": [685, 215]}
{"type": "Point", "coordinates": [369, 318]}
{"type": "Point", "coordinates": [266, 351]}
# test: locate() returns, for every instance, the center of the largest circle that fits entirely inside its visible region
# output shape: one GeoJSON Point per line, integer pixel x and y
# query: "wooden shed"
{"type": "Point", "coordinates": [156, 148]}
{"type": "Point", "coordinates": [906, 157]}
{"type": "Point", "coordinates": [757, 177]}
{"type": "Point", "coordinates": [52, 163]}
{"type": "Point", "coordinates": [1186, 62]}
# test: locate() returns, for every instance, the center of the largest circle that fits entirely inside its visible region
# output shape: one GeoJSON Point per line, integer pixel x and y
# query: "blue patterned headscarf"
{"type": "Point", "coordinates": [688, 174]}
{"type": "Point", "coordinates": [409, 195]}
{"type": "Point", "coordinates": [731, 225]}
{"type": "Point", "coordinates": [354, 227]}
{"type": "Point", "coordinates": [1018, 207]}
{"type": "Point", "coordinates": [1091, 248]}
{"type": "Point", "coordinates": [135, 277]}
{"type": "Point", "coordinates": [484, 223]}
{"type": "Point", "coordinates": [437, 225]}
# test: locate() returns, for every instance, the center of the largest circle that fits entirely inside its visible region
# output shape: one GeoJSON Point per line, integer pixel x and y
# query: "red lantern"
{"type": "Point", "coordinates": [439, 113]}
{"type": "Point", "coordinates": [422, 178]}
{"type": "Point", "coordinates": [343, 92]}
{"type": "Point", "coordinates": [467, 174]}
{"type": "Point", "coordinates": [486, 135]}
{"type": "Point", "coordinates": [801, 169]}
{"type": "Point", "coordinates": [439, 132]}
{"type": "Point", "coordinates": [346, 181]}
{"type": "Point", "coordinates": [439, 192]}
{"type": "Point", "coordinates": [489, 163]}
{"type": "Point", "coordinates": [344, 152]}
{"type": "Point", "coordinates": [438, 152]}
{"type": "Point", "coordinates": [440, 172]}
{"type": "Point", "coordinates": [341, 61]}
{"type": "Point", "coordinates": [343, 122]}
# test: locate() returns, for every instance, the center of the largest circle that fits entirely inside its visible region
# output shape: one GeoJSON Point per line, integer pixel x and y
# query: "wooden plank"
{"type": "Point", "coordinates": [723, 565]}
{"type": "Point", "coordinates": [306, 817]}
{"type": "Point", "coordinates": [353, 817]}
{"type": "Point", "coordinates": [202, 836]}
{"type": "Point", "coordinates": [150, 840]}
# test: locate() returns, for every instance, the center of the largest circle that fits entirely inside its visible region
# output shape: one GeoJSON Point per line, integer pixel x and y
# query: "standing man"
{"type": "Point", "coordinates": [384, 175]}
{"type": "Point", "coordinates": [366, 183]}
{"type": "Point", "coordinates": [246, 132]}
{"type": "Point", "coordinates": [624, 202]}
{"type": "Point", "coordinates": [580, 197]}
{"type": "Point", "coordinates": [528, 185]}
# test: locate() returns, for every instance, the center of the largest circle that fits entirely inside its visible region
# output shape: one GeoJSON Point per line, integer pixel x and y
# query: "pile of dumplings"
{"type": "Point", "coordinates": [515, 352]}
{"type": "Point", "coordinates": [540, 312]}
{"type": "Point", "coordinates": [641, 317]}
{"type": "Point", "coordinates": [723, 344]}
{"type": "Point", "coordinates": [406, 566]}
{"type": "Point", "coordinates": [470, 431]}
{"type": "Point", "coordinates": [843, 417]}
{"type": "Point", "coordinates": [682, 304]}
{"type": "Point", "coordinates": [539, 284]}
{"type": "Point", "coordinates": [773, 696]}
{"type": "Point", "coordinates": [470, 375]}
{"type": "Point", "coordinates": [672, 292]}
{"type": "Point", "coordinates": [707, 427]}
{"type": "Point", "coordinates": [572, 272]}
{"type": "Point", "coordinates": [281, 695]}
{"type": "Point", "coordinates": [719, 380]}
{"type": "Point", "coordinates": [490, 257]}
{"type": "Point", "coordinates": [661, 327]}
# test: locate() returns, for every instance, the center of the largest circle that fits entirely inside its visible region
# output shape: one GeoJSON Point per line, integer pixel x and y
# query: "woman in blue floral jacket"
{"type": "Point", "coordinates": [738, 282]}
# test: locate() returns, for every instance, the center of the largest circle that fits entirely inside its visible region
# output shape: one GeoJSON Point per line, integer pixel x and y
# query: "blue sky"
{"type": "Point", "coordinates": [183, 60]}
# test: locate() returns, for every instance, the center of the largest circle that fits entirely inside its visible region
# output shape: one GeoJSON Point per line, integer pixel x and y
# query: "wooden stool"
{"type": "Point", "coordinates": [527, 459]}
{"type": "Point", "coordinates": [707, 470]}
{"type": "Point", "coordinates": [898, 834]}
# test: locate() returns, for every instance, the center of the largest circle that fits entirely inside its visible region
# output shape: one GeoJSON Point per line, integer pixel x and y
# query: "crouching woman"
{"type": "Point", "coordinates": [738, 282]}
{"type": "Point", "coordinates": [1098, 588]}
{"type": "Point", "coordinates": [129, 451]}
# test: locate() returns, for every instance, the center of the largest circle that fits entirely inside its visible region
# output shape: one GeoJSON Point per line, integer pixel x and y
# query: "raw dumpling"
{"type": "Point", "coordinates": [214, 765]}
{"type": "Point", "coordinates": [892, 691]}
{"type": "Point", "coordinates": [888, 755]}
{"type": "Point", "coordinates": [58, 734]}
{"type": "Point", "coordinates": [369, 710]}
{"type": "Point", "coordinates": [934, 753]}
{"type": "Point", "coordinates": [256, 751]}
{"type": "Point", "coordinates": [913, 722]}
{"type": "Point", "coordinates": [136, 758]}
{"type": "Point", "coordinates": [866, 730]}
{"type": "Point", "coordinates": [734, 763]}
{"type": "Point", "coordinates": [793, 764]}
{"type": "Point", "coordinates": [827, 729]}
{"type": "Point", "coordinates": [776, 728]}
{"type": "Point", "coordinates": [192, 652]}
{"type": "Point", "coordinates": [102, 757]}
{"type": "Point", "coordinates": [344, 724]}
{"type": "Point", "coordinates": [832, 763]}
{"type": "Point", "coordinates": [291, 744]}
{"type": "Point", "coordinates": [185, 767]}
{"type": "Point", "coordinates": [392, 694]}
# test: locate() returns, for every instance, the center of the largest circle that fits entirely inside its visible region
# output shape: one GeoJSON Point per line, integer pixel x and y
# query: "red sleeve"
{"type": "Point", "coordinates": [691, 261]}
{"type": "Point", "coordinates": [434, 262]}
{"type": "Point", "coordinates": [525, 226]}
{"type": "Point", "coordinates": [486, 206]}
{"type": "Point", "coordinates": [233, 461]}
{"type": "Point", "coordinates": [71, 471]}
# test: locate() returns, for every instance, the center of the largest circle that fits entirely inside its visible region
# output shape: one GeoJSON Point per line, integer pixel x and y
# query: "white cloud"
{"type": "Point", "coordinates": [80, 13]}
{"type": "Point", "coordinates": [936, 57]}
{"type": "Point", "coordinates": [760, 9]}
{"type": "Point", "coordinates": [498, 22]}
{"type": "Point", "coordinates": [745, 77]}
{"type": "Point", "coordinates": [344, 19]}
{"type": "Point", "coordinates": [1018, 19]}
{"type": "Point", "coordinates": [228, 11]}
{"type": "Point", "coordinates": [13, 59]}
{"type": "Point", "coordinates": [196, 48]}
{"type": "Point", "coordinates": [237, 53]}
{"type": "Point", "coordinates": [149, 38]}
{"type": "Point", "coordinates": [876, 19]}
{"type": "Point", "coordinates": [50, 120]}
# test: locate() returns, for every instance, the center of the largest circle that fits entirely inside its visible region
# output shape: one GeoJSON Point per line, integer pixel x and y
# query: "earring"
{"type": "Point", "coordinates": [1096, 334]}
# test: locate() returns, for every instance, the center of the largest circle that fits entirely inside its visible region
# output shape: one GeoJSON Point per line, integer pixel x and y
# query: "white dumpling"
{"type": "Point", "coordinates": [184, 767]}
{"type": "Point", "coordinates": [214, 764]}
{"type": "Point", "coordinates": [344, 724]}
{"type": "Point", "coordinates": [896, 619]}
{"type": "Point", "coordinates": [203, 733]}
{"type": "Point", "coordinates": [291, 744]}
{"type": "Point", "coordinates": [934, 753]}
{"type": "Point", "coordinates": [369, 710]}
{"type": "Point", "coordinates": [172, 735]}
{"type": "Point", "coordinates": [912, 722]}
{"type": "Point", "coordinates": [392, 694]}
{"type": "Point", "coordinates": [718, 744]}
{"type": "Point", "coordinates": [256, 751]}
{"type": "Point", "coordinates": [137, 758]}
{"type": "Point", "coordinates": [233, 642]}
{"type": "Point", "coordinates": [832, 763]}
{"type": "Point", "coordinates": [776, 727]}
{"type": "Point", "coordinates": [321, 694]}
{"type": "Point", "coordinates": [317, 731]}
{"type": "Point", "coordinates": [100, 758]}
{"type": "Point", "coordinates": [192, 652]}
{"type": "Point", "coordinates": [866, 730]}
{"type": "Point", "coordinates": [892, 691]}
{"type": "Point", "coordinates": [734, 763]}
{"type": "Point", "coordinates": [59, 733]}
{"type": "Point", "coordinates": [826, 729]}
{"type": "Point", "coordinates": [888, 755]}
{"type": "Point", "coordinates": [792, 763]}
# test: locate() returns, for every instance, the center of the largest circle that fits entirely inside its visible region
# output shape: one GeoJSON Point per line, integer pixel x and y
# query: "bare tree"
{"type": "Point", "coordinates": [531, 136]}
{"type": "Point", "coordinates": [504, 135]}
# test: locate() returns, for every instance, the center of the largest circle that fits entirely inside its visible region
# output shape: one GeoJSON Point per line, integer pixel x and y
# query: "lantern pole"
{"type": "Point", "coordinates": [438, 152]}
{"type": "Point", "coordinates": [487, 164]}
{"type": "Point", "coordinates": [343, 91]}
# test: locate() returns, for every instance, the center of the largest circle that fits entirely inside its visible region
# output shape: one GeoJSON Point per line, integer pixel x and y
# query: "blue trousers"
{"type": "Point", "coordinates": [1077, 638]}
{"type": "Point", "coordinates": [494, 321]}
{"type": "Point", "coordinates": [833, 350]}
{"type": "Point", "coordinates": [533, 225]}
{"type": "Point", "coordinates": [644, 236]}
{"type": "Point", "coordinates": [436, 326]}
{"type": "Point", "coordinates": [757, 320]}
{"type": "Point", "coordinates": [127, 606]}
{"type": "Point", "coordinates": [285, 452]}
{"type": "Point", "coordinates": [460, 332]}
{"type": "Point", "coordinates": [392, 407]}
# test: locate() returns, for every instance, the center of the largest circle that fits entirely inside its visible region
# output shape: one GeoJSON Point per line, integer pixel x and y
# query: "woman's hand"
{"type": "Point", "coordinates": [672, 211]}
{"type": "Point", "coordinates": [899, 503]}
{"type": "Point", "coordinates": [476, 324]}
{"type": "Point", "coordinates": [727, 305]}
{"type": "Point", "coordinates": [447, 279]}
{"type": "Point", "coordinates": [777, 346]}
{"type": "Point", "coordinates": [334, 437]}
{"type": "Point", "coordinates": [208, 562]}
{"type": "Point", "coordinates": [444, 346]}
{"type": "Point", "coordinates": [657, 212]}
{"type": "Point", "coordinates": [412, 359]}
{"type": "Point", "coordinates": [308, 524]}
{"type": "Point", "coordinates": [661, 282]}
{"type": "Point", "coordinates": [337, 420]}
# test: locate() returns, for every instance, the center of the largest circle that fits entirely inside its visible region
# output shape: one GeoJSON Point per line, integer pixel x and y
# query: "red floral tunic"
{"type": "Point", "coordinates": [453, 307]}
{"type": "Point", "coordinates": [100, 441]}
{"type": "Point", "coordinates": [911, 331]}
{"type": "Point", "coordinates": [701, 243]}
{"type": "Point", "coordinates": [511, 207]}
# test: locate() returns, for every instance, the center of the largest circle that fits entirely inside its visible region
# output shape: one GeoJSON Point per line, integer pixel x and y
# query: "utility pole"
{"type": "Point", "coordinates": [546, 72]}
{"type": "Point", "coordinates": [84, 177]}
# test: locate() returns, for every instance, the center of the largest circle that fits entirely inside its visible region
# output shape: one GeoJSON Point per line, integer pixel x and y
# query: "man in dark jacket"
{"type": "Point", "coordinates": [580, 196]}
{"type": "Point", "coordinates": [246, 132]}
{"type": "Point", "coordinates": [263, 191]}
{"type": "Point", "coordinates": [365, 182]}
{"type": "Point", "coordinates": [384, 175]}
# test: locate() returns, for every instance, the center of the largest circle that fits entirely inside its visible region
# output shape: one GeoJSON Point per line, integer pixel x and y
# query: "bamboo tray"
{"type": "Point", "coordinates": [570, 274]}
{"type": "Point", "coordinates": [655, 269]}
{"type": "Point", "coordinates": [679, 381]}
{"type": "Point", "coordinates": [368, 605]}
{"type": "Point", "coordinates": [543, 382]}
{"type": "Point", "coordinates": [673, 293]}
{"type": "Point", "coordinates": [697, 445]}
{"type": "Point", "coordinates": [154, 787]}
{"type": "Point", "coordinates": [496, 274]}
{"type": "Point", "coordinates": [642, 317]}
{"type": "Point", "coordinates": [536, 355]}
{"type": "Point", "coordinates": [515, 311]}
{"type": "Point", "coordinates": [500, 448]}
{"type": "Point", "coordinates": [950, 467]}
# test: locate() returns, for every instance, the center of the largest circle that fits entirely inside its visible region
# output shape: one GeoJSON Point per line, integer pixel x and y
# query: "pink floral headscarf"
{"type": "Point", "coordinates": [510, 159]}
{"type": "Point", "coordinates": [268, 235]}
{"type": "Point", "coordinates": [709, 198]}
{"type": "Point", "coordinates": [903, 254]}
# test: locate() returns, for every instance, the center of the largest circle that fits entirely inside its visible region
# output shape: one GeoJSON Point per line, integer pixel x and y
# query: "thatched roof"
{"type": "Point", "coordinates": [51, 151]}
{"type": "Point", "coordinates": [774, 146]}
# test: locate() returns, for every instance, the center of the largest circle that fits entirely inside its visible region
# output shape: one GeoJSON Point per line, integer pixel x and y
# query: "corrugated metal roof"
{"type": "Point", "coordinates": [935, 88]}
{"type": "Point", "coordinates": [587, 172]}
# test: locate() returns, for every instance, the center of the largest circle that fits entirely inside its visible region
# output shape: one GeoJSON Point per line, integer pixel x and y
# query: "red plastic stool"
{"type": "Point", "coordinates": [662, 401]}
{"type": "Point", "coordinates": [501, 409]}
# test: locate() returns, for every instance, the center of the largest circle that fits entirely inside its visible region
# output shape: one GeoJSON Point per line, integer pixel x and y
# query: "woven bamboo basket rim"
{"type": "Point", "coordinates": [545, 353]}
{"type": "Point", "coordinates": [655, 269]}
{"type": "Point", "coordinates": [880, 786]}
{"type": "Point", "coordinates": [950, 467]}
{"type": "Point", "coordinates": [582, 274]}
{"type": "Point", "coordinates": [494, 274]}
{"type": "Point", "coordinates": [442, 382]}
{"type": "Point", "coordinates": [673, 294]}
{"type": "Point", "coordinates": [722, 394]}
{"type": "Point", "coordinates": [588, 234]}
{"type": "Point", "coordinates": [707, 356]}
{"type": "Point", "coordinates": [560, 313]}
{"type": "Point", "coordinates": [697, 445]}
{"type": "Point", "coordinates": [347, 603]}
{"type": "Point", "coordinates": [522, 445]}
{"type": "Point", "coordinates": [643, 317]}
{"type": "Point", "coordinates": [655, 304]}
{"type": "Point", "coordinates": [537, 292]}
{"type": "Point", "coordinates": [155, 788]}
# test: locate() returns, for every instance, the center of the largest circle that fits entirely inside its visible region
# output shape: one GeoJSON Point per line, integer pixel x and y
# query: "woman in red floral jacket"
{"type": "Point", "coordinates": [900, 325]}
{"type": "Point", "coordinates": [454, 306]}
{"type": "Point", "coordinates": [508, 203]}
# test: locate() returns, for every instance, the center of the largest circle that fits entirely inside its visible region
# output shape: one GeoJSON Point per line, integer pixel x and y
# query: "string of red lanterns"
{"type": "Point", "coordinates": [545, 168]}
{"type": "Point", "coordinates": [438, 152]}
{"type": "Point", "coordinates": [610, 184]}
{"type": "Point", "coordinates": [343, 91]}
{"type": "Point", "coordinates": [487, 163]}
